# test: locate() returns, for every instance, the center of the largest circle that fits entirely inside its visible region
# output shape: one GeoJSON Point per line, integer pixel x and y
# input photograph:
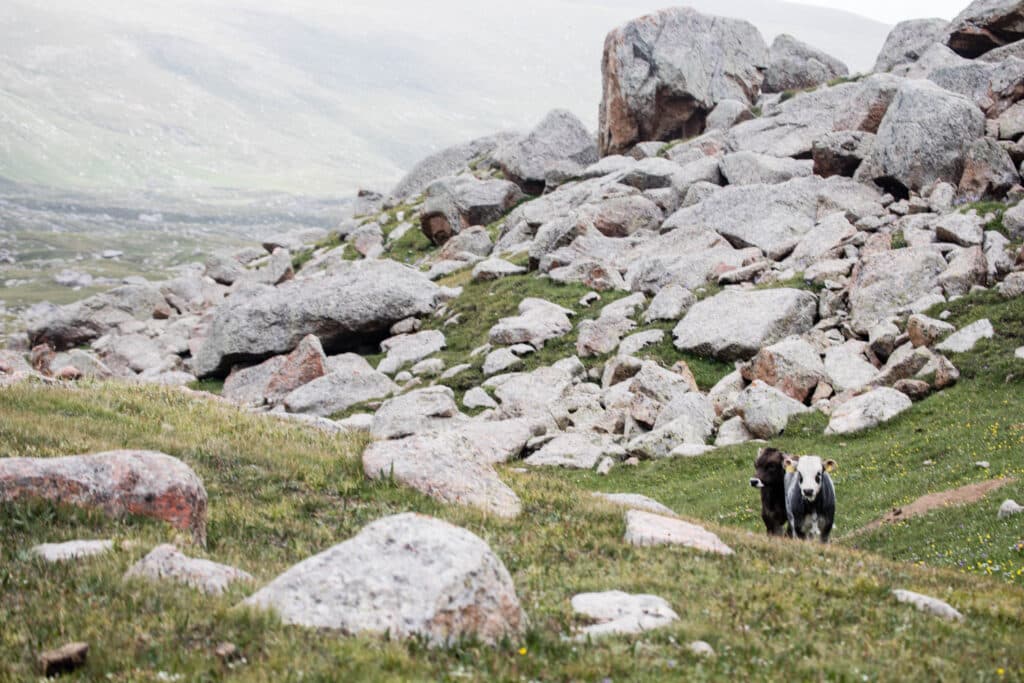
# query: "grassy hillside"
{"type": "Point", "coordinates": [777, 610]}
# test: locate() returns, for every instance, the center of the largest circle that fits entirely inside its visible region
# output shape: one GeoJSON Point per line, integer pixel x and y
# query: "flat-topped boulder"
{"type": "Point", "coordinates": [735, 325]}
{"type": "Point", "coordinates": [649, 529]}
{"type": "Point", "coordinates": [888, 282]}
{"type": "Point", "coordinates": [361, 300]}
{"type": "Point", "coordinates": [406, 575]}
{"type": "Point", "coordinates": [119, 483]}
{"type": "Point", "coordinates": [619, 613]}
{"type": "Point", "coordinates": [79, 323]}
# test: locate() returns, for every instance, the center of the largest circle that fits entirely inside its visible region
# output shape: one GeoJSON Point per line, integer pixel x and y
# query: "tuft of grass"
{"type": "Point", "coordinates": [899, 240]}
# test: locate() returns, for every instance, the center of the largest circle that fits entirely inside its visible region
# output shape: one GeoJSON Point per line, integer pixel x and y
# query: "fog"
{"type": "Point", "coordinates": [310, 97]}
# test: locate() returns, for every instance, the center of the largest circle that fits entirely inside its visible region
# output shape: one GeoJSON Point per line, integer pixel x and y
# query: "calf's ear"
{"type": "Point", "coordinates": [831, 466]}
{"type": "Point", "coordinates": [790, 463]}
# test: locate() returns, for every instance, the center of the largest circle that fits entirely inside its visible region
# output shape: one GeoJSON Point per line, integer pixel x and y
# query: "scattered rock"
{"type": "Point", "coordinates": [768, 316]}
{"type": "Point", "coordinates": [559, 137]}
{"type": "Point", "coordinates": [766, 410]}
{"type": "Point", "coordinates": [537, 322]}
{"type": "Point", "coordinates": [405, 575]}
{"type": "Point", "coordinates": [868, 411]}
{"type": "Point", "coordinates": [670, 303]}
{"type": "Point", "coordinates": [351, 381]}
{"type": "Point", "coordinates": [635, 501]}
{"type": "Point", "coordinates": [618, 613]}
{"type": "Point", "coordinates": [664, 73]}
{"type": "Point", "coordinates": [794, 65]}
{"type": "Point", "coordinates": [495, 269]}
{"type": "Point", "coordinates": [118, 483]}
{"type": "Point", "coordinates": [414, 412]}
{"type": "Point", "coordinates": [71, 550]}
{"type": "Point", "coordinates": [928, 604]}
{"type": "Point", "coordinates": [966, 339]}
{"type": "Point", "coordinates": [647, 529]}
{"type": "Point", "coordinates": [701, 649]}
{"type": "Point", "coordinates": [447, 466]}
{"type": "Point", "coordinates": [166, 562]}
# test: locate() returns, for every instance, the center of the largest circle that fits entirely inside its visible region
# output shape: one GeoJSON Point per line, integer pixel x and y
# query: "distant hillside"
{"type": "Point", "coordinates": [192, 96]}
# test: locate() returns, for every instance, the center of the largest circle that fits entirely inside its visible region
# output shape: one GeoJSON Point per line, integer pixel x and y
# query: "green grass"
{"type": "Point", "coordinates": [279, 493]}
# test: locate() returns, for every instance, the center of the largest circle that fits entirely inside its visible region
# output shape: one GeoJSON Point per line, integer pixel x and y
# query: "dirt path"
{"type": "Point", "coordinates": [964, 495]}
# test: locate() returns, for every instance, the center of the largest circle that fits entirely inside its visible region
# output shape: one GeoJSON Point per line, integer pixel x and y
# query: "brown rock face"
{"type": "Point", "coordinates": [986, 25]}
{"type": "Point", "coordinates": [118, 483]}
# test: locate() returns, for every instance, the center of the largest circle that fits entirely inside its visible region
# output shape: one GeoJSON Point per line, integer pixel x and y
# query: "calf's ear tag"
{"type": "Point", "coordinates": [831, 466]}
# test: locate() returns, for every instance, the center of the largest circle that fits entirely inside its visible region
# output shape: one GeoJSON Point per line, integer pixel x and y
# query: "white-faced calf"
{"type": "Point", "coordinates": [810, 496]}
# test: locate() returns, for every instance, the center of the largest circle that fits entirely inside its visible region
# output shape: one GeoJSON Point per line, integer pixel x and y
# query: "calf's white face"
{"type": "Point", "coordinates": [810, 470]}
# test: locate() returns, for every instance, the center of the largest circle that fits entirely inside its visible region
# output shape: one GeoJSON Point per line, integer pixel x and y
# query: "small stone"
{"type": "Point", "coordinates": [1009, 508]}
{"type": "Point", "coordinates": [983, 464]}
{"type": "Point", "coordinates": [605, 466]}
{"type": "Point", "coordinates": [228, 653]}
{"type": "Point", "coordinates": [1019, 354]}
{"type": "Point", "coordinates": [72, 550]}
{"type": "Point", "coordinates": [166, 562]}
{"type": "Point", "coordinates": [631, 462]}
{"type": "Point", "coordinates": [928, 604]}
{"type": "Point", "coordinates": [701, 649]}
{"type": "Point", "coordinates": [64, 659]}
{"type": "Point", "coordinates": [618, 613]}
{"type": "Point", "coordinates": [589, 298]}
{"type": "Point", "coordinates": [478, 398]}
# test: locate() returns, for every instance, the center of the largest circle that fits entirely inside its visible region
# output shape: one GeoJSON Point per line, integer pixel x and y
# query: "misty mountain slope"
{"type": "Point", "coordinates": [197, 96]}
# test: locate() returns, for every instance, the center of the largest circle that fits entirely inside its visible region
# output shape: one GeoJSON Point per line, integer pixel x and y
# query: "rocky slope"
{"type": "Point", "coordinates": [524, 298]}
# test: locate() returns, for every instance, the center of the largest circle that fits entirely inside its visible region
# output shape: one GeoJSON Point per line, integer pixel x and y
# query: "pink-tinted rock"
{"type": "Point", "coordinates": [118, 483]}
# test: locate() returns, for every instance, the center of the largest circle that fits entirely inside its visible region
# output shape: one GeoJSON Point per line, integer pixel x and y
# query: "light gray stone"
{"type": "Point", "coordinates": [794, 65]}
{"type": "Point", "coordinates": [351, 381]}
{"type": "Point", "coordinates": [560, 136]}
{"type": "Point", "coordinates": [888, 282]}
{"type": "Point", "coordinates": [908, 40]}
{"type": "Point", "coordinates": [928, 604]}
{"type": "Point", "coordinates": [447, 466]}
{"type": "Point", "coordinates": [735, 325]}
{"type": "Point", "coordinates": [404, 575]}
{"type": "Point", "coordinates": [965, 339]}
{"type": "Point", "coordinates": [670, 303]}
{"type": "Point", "coordinates": [867, 411]}
{"type": "Point", "coordinates": [417, 411]}
{"type": "Point", "coordinates": [766, 410]}
{"type": "Point", "coordinates": [71, 550]}
{"type": "Point", "coordinates": [618, 613]}
{"type": "Point", "coordinates": [406, 349]}
{"type": "Point", "coordinates": [538, 321]}
{"type": "Point", "coordinates": [635, 501]}
{"type": "Point", "coordinates": [697, 61]}
{"type": "Point", "coordinates": [648, 529]}
{"type": "Point", "coordinates": [165, 562]}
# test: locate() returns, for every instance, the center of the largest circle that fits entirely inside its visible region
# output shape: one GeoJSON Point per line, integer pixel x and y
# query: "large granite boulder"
{"type": "Point", "coordinates": [923, 138]}
{"type": "Point", "coordinates": [84, 321]}
{"type": "Point", "coordinates": [665, 72]}
{"type": "Point", "coordinates": [888, 282]}
{"type": "Point", "coordinates": [559, 138]}
{"type": "Point", "coordinates": [794, 65]}
{"type": "Point", "coordinates": [447, 162]}
{"type": "Point", "coordinates": [774, 218]}
{"type": "Point", "coordinates": [361, 300]}
{"type": "Point", "coordinates": [735, 325]}
{"type": "Point", "coordinates": [908, 40]}
{"type": "Point", "coordinates": [454, 204]}
{"type": "Point", "coordinates": [406, 575]}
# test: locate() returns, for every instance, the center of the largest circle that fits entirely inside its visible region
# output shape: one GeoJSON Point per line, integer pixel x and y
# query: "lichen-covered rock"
{"type": "Point", "coordinates": [648, 529]}
{"type": "Point", "coordinates": [405, 575]}
{"type": "Point", "coordinates": [351, 381]}
{"type": "Point", "coordinates": [559, 137]}
{"type": "Point", "coordinates": [923, 138]}
{"type": "Point", "coordinates": [908, 40]}
{"type": "Point", "coordinates": [665, 72]}
{"type": "Point", "coordinates": [793, 366]}
{"type": "Point", "coordinates": [794, 65]}
{"type": "Point", "coordinates": [364, 298]}
{"type": "Point", "coordinates": [890, 281]}
{"type": "Point", "coordinates": [119, 483]}
{"type": "Point", "coordinates": [447, 466]}
{"type": "Point", "coordinates": [454, 204]}
{"type": "Point", "coordinates": [618, 613]}
{"type": "Point", "coordinates": [766, 410]}
{"type": "Point", "coordinates": [736, 325]}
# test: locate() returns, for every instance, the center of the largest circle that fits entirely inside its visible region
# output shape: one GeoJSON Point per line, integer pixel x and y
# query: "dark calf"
{"type": "Point", "coordinates": [771, 475]}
